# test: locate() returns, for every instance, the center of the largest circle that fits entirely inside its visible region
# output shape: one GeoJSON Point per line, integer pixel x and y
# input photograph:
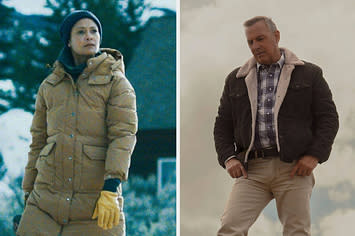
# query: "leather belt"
{"type": "Point", "coordinates": [263, 153]}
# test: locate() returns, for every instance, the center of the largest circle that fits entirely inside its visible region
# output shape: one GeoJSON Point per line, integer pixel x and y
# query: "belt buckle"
{"type": "Point", "coordinates": [268, 148]}
{"type": "Point", "coordinates": [262, 154]}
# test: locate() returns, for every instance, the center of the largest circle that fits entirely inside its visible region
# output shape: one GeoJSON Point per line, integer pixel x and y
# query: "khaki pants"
{"type": "Point", "coordinates": [268, 179]}
{"type": "Point", "coordinates": [35, 222]}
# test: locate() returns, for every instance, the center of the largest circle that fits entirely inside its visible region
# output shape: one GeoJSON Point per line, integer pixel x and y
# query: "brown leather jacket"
{"type": "Point", "coordinates": [305, 115]}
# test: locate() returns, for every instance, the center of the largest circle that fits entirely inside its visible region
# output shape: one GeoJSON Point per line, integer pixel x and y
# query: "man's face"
{"type": "Point", "coordinates": [85, 38]}
{"type": "Point", "coordinates": [263, 43]}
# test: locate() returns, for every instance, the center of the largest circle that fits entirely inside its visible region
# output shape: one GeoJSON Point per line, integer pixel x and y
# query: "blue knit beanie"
{"type": "Point", "coordinates": [70, 20]}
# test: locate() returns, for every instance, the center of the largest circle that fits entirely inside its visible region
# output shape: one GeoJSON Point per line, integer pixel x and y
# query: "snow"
{"type": "Point", "coordinates": [15, 139]}
{"type": "Point", "coordinates": [37, 6]}
{"type": "Point", "coordinates": [7, 86]}
{"type": "Point", "coordinates": [43, 41]}
{"type": "Point", "coordinates": [4, 103]}
{"type": "Point", "coordinates": [29, 7]}
{"type": "Point", "coordinates": [147, 14]}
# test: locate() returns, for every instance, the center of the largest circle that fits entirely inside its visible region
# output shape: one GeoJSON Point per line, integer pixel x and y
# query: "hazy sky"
{"type": "Point", "coordinates": [213, 44]}
{"type": "Point", "coordinates": [188, 5]}
{"type": "Point", "coordinates": [37, 6]}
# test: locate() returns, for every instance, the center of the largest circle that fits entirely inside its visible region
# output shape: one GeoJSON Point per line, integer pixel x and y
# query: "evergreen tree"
{"type": "Point", "coordinates": [6, 45]}
{"type": "Point", "coordinates": [149, 212]}
{"type": "Point", "coordinates": [32, 42]}
{"type": "Point", "coordinates": [26, 67]}
{"type": "Point", "coordinates": [120, 22]}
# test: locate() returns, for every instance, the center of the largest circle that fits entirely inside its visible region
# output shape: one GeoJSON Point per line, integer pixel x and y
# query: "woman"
{"type": "Point", "coordinates": [83, 134]}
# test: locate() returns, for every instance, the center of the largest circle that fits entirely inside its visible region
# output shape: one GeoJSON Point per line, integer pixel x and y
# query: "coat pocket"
{"type": "Point", "coordinates": [45, 165]}
{"type": "Point", "coordinates": [241, 110]}
{"type": "Point", "coordinates": [298, 100]}
{"type": "Point", "coordinates": [93, 168]}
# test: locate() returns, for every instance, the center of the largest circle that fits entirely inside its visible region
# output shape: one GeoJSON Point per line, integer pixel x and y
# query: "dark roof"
{"type": "Point", "coordinates": [152, 72]}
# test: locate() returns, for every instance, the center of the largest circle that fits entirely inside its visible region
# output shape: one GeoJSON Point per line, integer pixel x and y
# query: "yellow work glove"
{"type": "Point", "coordinates": [107, 210]}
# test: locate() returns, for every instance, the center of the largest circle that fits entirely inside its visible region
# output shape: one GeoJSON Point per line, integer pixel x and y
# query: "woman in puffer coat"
{"type": "Point", "coordinates": [83, 134]}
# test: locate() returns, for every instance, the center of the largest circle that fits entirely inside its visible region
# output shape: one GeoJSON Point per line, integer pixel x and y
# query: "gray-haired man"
{"type": "Point", "coordinates": [276, 121]}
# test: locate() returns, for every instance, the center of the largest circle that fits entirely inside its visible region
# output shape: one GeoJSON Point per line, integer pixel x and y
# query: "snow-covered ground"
{"type": "Point", "coordinates": [15, 139]}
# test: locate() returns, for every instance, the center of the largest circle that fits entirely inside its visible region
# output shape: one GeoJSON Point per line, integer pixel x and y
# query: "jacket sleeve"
{"type": "Point", "coordinates": [39, 137]}
{"type": "Point", "coordinates": [325, 123]}
{"type": "Point", "coordinates": [122, 124]}
{"type": "Point", "coordinates": [223, 128]}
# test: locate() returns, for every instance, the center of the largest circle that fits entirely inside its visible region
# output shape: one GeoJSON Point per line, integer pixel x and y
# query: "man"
{"type": "Point", "coordinates": [276, 121]}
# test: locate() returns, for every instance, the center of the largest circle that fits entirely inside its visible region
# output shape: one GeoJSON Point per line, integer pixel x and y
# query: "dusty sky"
{"type": "Point", "coordinates": [212, 44]}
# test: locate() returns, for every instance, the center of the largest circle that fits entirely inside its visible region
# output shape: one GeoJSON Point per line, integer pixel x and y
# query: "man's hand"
{"type": "Point", "coordinates": [304, 166]}
{"type": "Point", "coordinates": [235, 168]}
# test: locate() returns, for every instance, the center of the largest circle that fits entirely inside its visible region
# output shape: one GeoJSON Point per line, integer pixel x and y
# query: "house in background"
{"type": "Point", "coordinates": [152, 72]}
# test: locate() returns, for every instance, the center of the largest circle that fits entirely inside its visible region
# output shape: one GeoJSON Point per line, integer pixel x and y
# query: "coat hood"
{"type": "Point", "coordinates": [108, 62]}
{"type": "Point", "coordinates": [118, 58]}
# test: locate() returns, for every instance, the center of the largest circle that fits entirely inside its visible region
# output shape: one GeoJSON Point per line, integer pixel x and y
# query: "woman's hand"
{"type": "Point", "coordinates": [107, 210]}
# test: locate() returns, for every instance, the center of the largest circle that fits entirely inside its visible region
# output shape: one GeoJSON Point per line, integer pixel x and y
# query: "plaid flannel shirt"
{"type": "Point", "coordinates": [268, 78]}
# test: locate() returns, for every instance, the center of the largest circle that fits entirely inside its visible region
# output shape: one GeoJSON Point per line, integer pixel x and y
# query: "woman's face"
{"type": "Point", "coordinates": [84, 38]}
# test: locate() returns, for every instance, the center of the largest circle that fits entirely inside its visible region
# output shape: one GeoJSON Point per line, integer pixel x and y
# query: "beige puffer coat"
{"type": "Point", "coordinates": [82, 134]}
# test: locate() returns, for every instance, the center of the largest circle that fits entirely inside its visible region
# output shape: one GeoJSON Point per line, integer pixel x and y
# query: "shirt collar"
{"type": "Point", "coordinates": [280, 62]}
